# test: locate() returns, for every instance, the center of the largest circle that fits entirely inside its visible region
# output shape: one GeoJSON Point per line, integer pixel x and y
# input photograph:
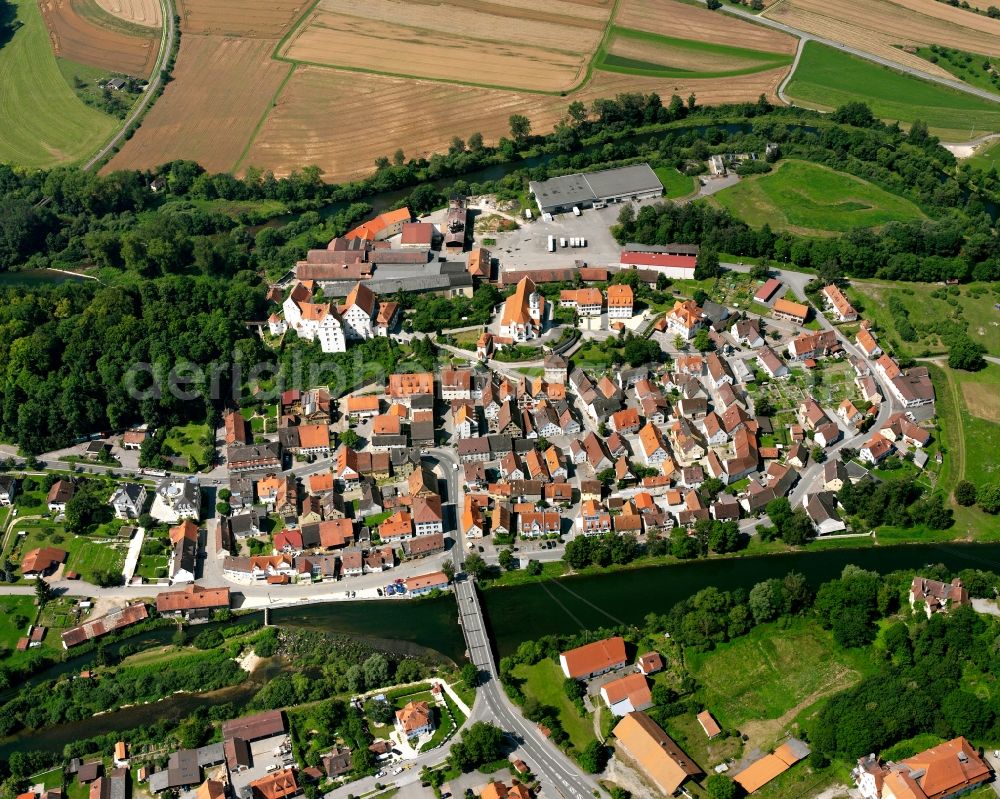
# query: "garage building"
{"type": "Point", "coordinates": [596, 189]}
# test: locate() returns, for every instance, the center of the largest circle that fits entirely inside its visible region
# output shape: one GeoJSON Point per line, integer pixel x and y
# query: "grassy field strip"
{"type": "Point", "coordinates": [827, 78]}
{"type": "Point", "coordinates": [45, 123]}
{"type": "Point", "coordinates": [666, 48]}
{"type": "Point", "coordinates": [807, 198]}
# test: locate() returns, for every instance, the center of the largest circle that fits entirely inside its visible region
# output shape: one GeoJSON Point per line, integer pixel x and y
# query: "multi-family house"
{"type": "Point", "coordinates": [358, 313]}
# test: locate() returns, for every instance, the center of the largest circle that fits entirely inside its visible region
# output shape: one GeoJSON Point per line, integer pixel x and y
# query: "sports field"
{"type": "Point", "coordinates": [827, 78]}
{"type": "Point", "coordinates": [893, 29]}
{"type": "Point", "coordinates": [811, 199]}
{"type": "Point", "coordinates": [44, 122]}
{"type": "Point", "coordinates": [636, 52]}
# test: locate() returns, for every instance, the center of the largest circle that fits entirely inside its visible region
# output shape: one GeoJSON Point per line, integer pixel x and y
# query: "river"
{"type": "Point", "coordinates": [429, 626]}
{"type": "Point", "coordinates": [625, 597]}
{"type": "Point", "coordinates": [30, 278]}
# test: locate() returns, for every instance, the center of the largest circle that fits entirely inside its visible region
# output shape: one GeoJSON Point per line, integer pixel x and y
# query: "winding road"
{"type": "Point", "coordinates": [804, 37]}
{"type": "Point", "coordinates": [168, 36]}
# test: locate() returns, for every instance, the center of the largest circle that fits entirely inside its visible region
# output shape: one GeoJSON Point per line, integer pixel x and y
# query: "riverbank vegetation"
{"type": "Point", "coordinates": [786, 658]}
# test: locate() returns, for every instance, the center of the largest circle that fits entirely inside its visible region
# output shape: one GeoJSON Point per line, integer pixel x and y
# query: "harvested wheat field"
{"type": "Point", "coordinates": [423, 116]}
{"type": "Point", "coordinates": [674, 18]}
{"type": "Point", "coordinates": [138, 12]}
{"type": "Point", "coordinates": [881, 27]}
{"type": "Point", "coordinates": [220, 91]}
{"type": "Point", "coordinates": [265, 19]}
{"type": "Point", "coordinates": [495, 44]}
{"type": "Point", "coordinates": [77, 38]}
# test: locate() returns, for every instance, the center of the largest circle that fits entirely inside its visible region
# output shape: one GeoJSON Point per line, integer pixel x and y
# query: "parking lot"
{"type": "Point", "coordinates": [527, 247]}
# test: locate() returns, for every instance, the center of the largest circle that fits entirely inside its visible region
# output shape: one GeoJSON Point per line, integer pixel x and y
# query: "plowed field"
{"type": "Point", "coordinates": [673, 18]}
{"type": "Point", "coordinates": [221, 88]}
{"type": "Point", "coordinates": [139, 12]}
{"type": "Point", "coordinates": [489, 44]}
{"type": "Point", "coordinates": [883, 27]}
{"type": "Point", "coordinates": [264, 19]}
{"type": "Point", "coordinates": [77, 37]}
{"type": "Point", "coordinates": [423, 116]}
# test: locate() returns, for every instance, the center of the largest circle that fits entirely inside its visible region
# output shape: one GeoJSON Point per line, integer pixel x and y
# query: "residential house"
{"type": "Point", "coordinates": [538, 523]}
{"type": "Point", "coordinates": [8, 490]}
{"type": "Point", "coordinates": [654, 448]}
{"type": "Point", "coordinates": [621, 299]}
{"type": "Point", "coordinates": [813, 345]}
{"type": "Point", "coordinates": [821, 508]}
{"type": "Point", "coordinates": [876, 449]}
{"type": "Point", "coordinates": [770, 363]}
{"type": "Point", "coordinates": [943, 771]}
{"type": "Point", "coordinates": [747, 332]}
{"type": "Point", "coordinates": [427, 517]}
{"type": "Point", "coordinates": [42, 562]}
{"type": "Point", "coordinates": [177, 499]}
{"type": "Point", "coordinates": [867, 343]}
{"type": "Point", "coordinates": [60, 494]}
{"type": "Point", "coordinates": [627, 694]}
{"type": "Point", "coordinates": [898, 427]}
{"type": "Point", "coordinates": [128, 500]}
{"type": "Point", "coordinates": [936, 596]}
{"type": "Point", "coordinates": [684, 319]}
{"type": "Point", "coordinates": [591, 660]}
{"type": "Point", "coordinates": [414, 719]}
{"type": "Point", "coordinates": [838, 304]}
{"type": "Point", "coordinates": [184, 555]}
{"type": "Point", "coordinates": [193, 602]}
{"type": "Point", "coordinates": [426, 583]}
{"type": "Point", "coordinates": [790, 311]}
{"type": "Point", "coordinates": [362, 407]}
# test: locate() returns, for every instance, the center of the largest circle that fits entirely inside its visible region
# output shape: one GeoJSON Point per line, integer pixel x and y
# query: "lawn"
{"type": "Point", "coordinates": [45, 123]}
{"type": "Point", "coordinates": [15, 609]}
{"type": "Point", "coordinates": [767, 674]}
{"type": "Point", "coordinates": [189, 443]}
{"type": "Point", "coordinates": [544, 682]}
{"type": "Point", "coordinates": [674, 183]}
{"type": "Point", "coordinates": [979, 392]}
{"type": "Point", "coordinates": [84, 555]}
{"type": "Point", "coordinates": [669, 51]}
{"type": "Point", "coordinates": [827, 78]}
{"type": "Point", "coordinates": [811, 199]}
{"type": "Point", "coordinates": [987, 157]}
{"type": "Point", "coordinates": [929, 306]}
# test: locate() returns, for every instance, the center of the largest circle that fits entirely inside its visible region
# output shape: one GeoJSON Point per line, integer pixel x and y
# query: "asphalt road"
{"type": "Point", "coordinates": [559, 775]}
{"type": "Point", "coordinates": [806, 37]}
{"type": "Point", "coordinates": [167, 38]}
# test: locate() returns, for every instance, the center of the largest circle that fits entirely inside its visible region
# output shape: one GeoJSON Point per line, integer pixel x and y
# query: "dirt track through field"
{"type": "Point", "coordinates": [683, 21]}
{"type": "Point", "coordinates": [76, 38]}
{"type": "Point", "coordinates": [138, 12]}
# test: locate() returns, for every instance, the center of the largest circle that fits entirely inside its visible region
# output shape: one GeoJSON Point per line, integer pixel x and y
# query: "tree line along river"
{"type": "Point", "coordinates": [516, 614]}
